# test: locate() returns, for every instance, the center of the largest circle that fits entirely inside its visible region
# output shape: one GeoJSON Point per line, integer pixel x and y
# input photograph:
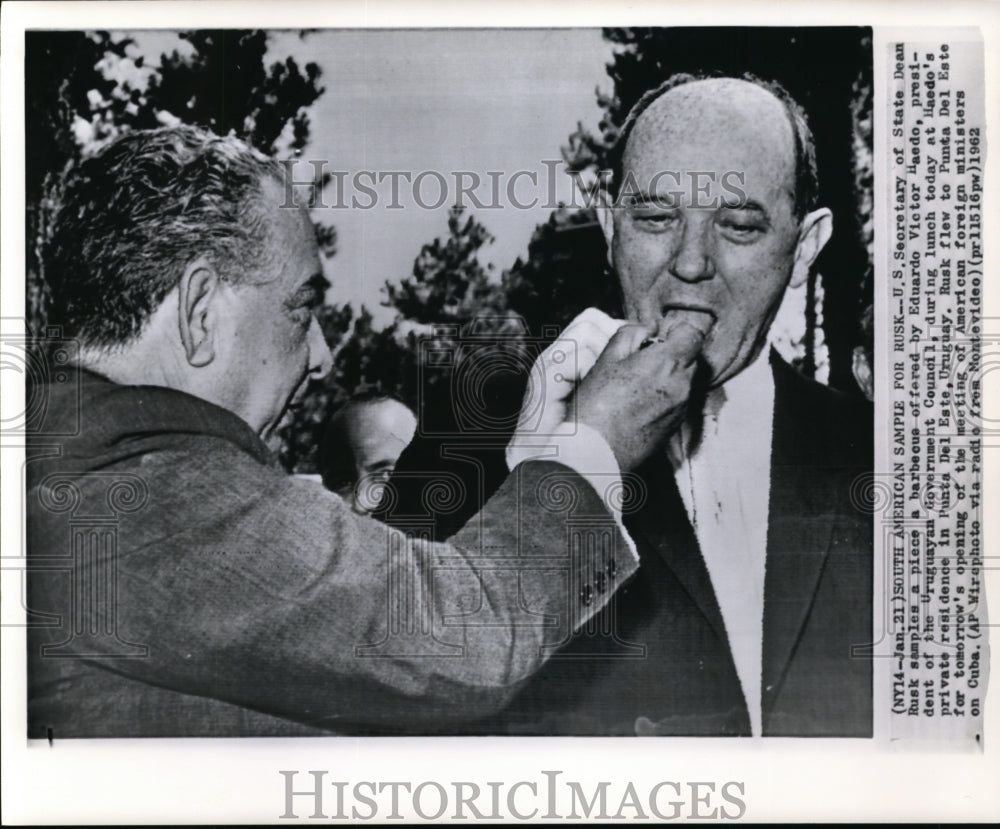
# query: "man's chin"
{"type": "Point", "coordinates": [722, 370]}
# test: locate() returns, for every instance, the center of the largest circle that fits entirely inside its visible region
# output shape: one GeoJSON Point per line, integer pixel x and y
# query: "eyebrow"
{"type": "Point", "coordinates": [751, 205]}
{"type": "Point", "coordinates": [642, 198]}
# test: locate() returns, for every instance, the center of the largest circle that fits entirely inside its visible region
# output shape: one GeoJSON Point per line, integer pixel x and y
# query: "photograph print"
{"type": "Point", "coordinates": [449, 382]}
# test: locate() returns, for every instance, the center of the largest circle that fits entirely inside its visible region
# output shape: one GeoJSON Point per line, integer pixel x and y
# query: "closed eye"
{"type": "Point", "coordinates": [653, 217]}
{"type": "Point", "coordinates": [742, 228]}
{"type": "Point", "coordinates": [307, 297]}
{"type": "Point", "coordinates": [742, 225]}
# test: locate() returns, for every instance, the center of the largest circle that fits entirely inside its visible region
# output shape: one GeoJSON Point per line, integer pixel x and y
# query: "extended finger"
{"type": "Point", "coordinates": [685, 341]}
{"type": "Point", "coordinates": [679, 347]}
{"type": "Point", "coordinates": [627, 341]}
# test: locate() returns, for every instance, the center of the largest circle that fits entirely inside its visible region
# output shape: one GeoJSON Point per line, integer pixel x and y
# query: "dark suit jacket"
{"type": "Point", "coordinates": [180, 584]}
{"type": "Point", "coordinates": [657, 660]}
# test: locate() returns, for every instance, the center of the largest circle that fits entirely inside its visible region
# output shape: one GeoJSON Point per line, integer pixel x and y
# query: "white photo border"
{"type": "Point", "coordinates": [223, 781]}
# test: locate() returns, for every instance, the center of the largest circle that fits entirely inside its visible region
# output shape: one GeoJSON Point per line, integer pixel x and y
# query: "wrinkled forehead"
{"type": "Point", "coordinates": [716, 126]}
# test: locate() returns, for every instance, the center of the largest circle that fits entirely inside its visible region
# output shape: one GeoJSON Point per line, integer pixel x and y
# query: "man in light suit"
{"type": "Point", "coordinates": [752, 606]}
{"type": "Point", "coordinates": [180, 584]}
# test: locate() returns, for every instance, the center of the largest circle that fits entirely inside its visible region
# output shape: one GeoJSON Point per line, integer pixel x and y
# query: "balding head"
{"type": "Point", "coordinates": [687, 108]}
{"type": "Point", "coordinates": [713, 218]}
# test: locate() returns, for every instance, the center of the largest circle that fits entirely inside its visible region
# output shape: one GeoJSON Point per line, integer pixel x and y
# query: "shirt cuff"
{"type": "Point", "coordinates": [584, 450]}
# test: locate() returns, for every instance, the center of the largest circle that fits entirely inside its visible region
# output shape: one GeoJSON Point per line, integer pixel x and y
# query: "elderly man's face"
{"type": "Point", "coordinates": [727, 265]}
{"type": "Point", "coordinates": [278, 344]}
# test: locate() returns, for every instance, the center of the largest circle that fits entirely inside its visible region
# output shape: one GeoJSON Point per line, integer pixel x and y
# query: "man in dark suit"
{"type": "Point", "coordinates": [180, 583]}
{"type": "Point", "coordinates": [752, 605]}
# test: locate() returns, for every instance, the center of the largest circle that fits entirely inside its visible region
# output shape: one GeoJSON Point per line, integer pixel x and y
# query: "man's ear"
{"type": "Point", "coordinates": [606, 217]}
{"type": "Point", "coordinates": [814, 233]}
{"type": "Point", "coordinates": [198, 293]}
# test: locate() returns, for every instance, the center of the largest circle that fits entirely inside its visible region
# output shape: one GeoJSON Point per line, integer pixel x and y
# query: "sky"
{"type": "Point", "coordinates": [442, 102]}
{"type": "Point", "coordinates": [434, 102]}
{"type": "Point", "coordinates": [437, 102]}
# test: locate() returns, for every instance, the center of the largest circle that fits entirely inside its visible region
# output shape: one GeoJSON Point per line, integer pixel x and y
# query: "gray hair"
{"type": "Point", "coordinates": [135, 214]}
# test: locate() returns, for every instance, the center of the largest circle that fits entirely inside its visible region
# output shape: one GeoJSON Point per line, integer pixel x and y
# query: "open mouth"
{"type": "Point", "coordinates": [697, 316]}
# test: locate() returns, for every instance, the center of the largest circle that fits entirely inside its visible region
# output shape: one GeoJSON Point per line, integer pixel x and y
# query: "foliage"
{"type": "Point", "coordinates": [225, 86]}
{"type": "Point", "coordinates": [64, 74]}
{"type": "Point", "coordinates": [86, 88]}
{"type": "Point", "coordinates": [448, 284]}
{"type": "Point", "coordinates": [565, 272]}
{"type": "Point", "coordinates": [448, 293]}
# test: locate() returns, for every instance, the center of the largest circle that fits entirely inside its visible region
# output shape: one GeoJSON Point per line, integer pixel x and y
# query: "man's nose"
{"type": "Point", "coordinates": [320, 358]}
{"type": "Point", "coordinates": [693, 258]}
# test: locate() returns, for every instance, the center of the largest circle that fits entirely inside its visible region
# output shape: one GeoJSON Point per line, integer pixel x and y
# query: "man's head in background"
{"type": "Point", "coordinates": [174, 264]}
{"type": "Point", "coordinates": [715, 211]}
{"type": "Point", "coordinates": [360, 447]}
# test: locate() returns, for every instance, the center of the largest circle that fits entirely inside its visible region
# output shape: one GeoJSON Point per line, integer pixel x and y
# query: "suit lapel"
{"type": "Point", "coordinates": [801, 525]}
{"type": "Point", "coordinates": [662, 527]}
{"type": "Point", "coordinates": [800, 530]}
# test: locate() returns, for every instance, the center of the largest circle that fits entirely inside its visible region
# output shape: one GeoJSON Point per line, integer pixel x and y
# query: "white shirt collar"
{"type": "Point", "coordinates": [743, 405]}
{"type": "Point", "coordinates": [724, 482]}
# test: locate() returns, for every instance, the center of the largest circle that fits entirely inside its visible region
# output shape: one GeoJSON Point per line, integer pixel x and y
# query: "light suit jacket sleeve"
{"type": "Point", "coordinates": [269, 593]}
